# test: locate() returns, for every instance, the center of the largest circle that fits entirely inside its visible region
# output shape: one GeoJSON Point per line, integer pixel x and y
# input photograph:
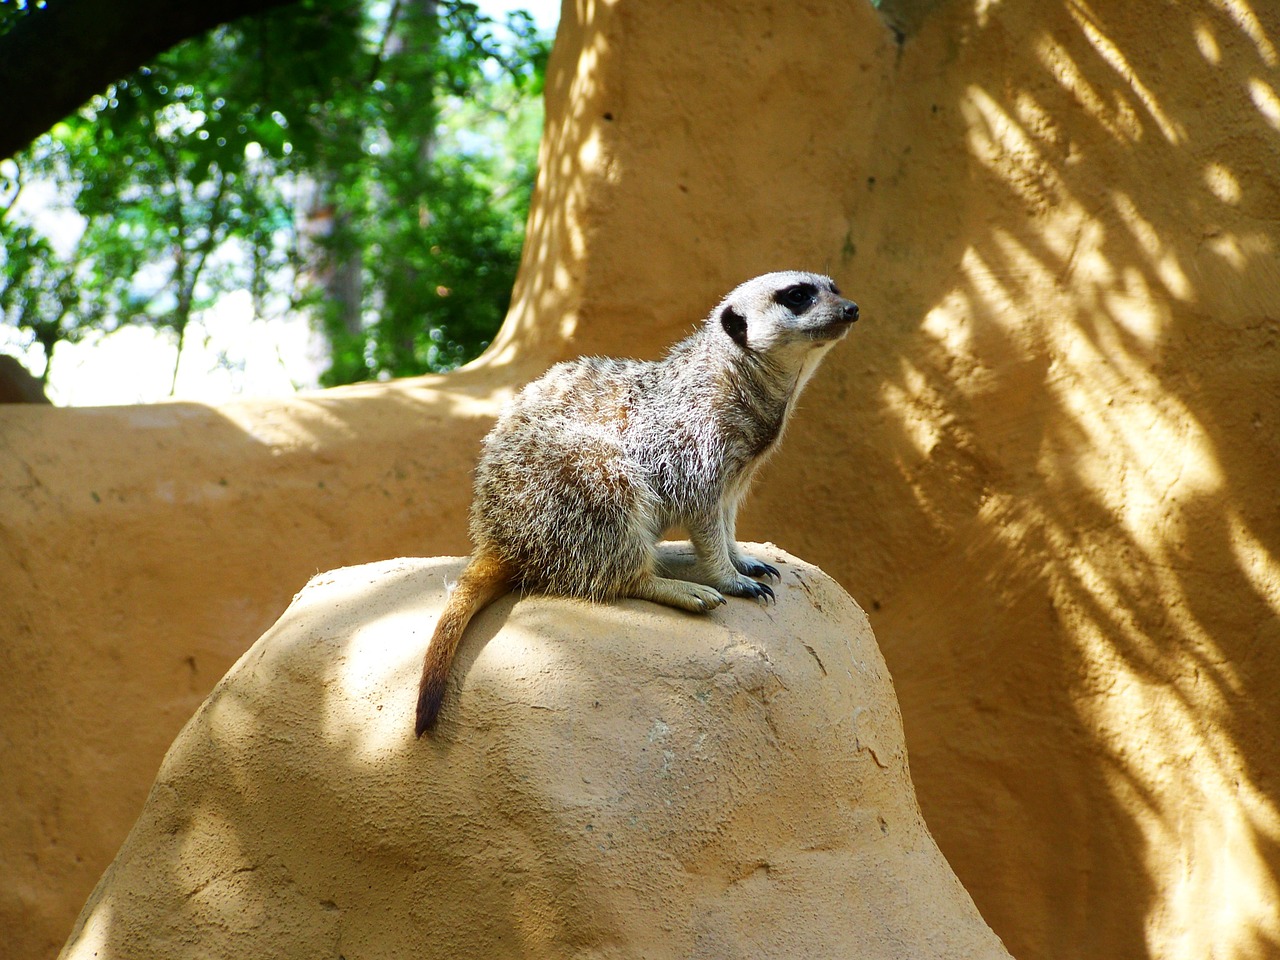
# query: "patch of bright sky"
{"type": "Point", "coordinates": [545, 13]}
{"type": "Point", "coordinates": [228, 353]}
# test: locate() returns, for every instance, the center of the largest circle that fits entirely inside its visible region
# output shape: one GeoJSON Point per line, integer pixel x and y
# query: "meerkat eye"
{"type": "Point", "coordinates": [798, 298]}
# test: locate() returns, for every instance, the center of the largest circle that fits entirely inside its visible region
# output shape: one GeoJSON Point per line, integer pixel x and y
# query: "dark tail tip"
{"type": "Point", "coordinates": [429, 700]}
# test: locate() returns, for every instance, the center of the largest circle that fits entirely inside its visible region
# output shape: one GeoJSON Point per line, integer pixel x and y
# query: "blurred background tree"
{"type": "Point", "coordinates": [366, 162]}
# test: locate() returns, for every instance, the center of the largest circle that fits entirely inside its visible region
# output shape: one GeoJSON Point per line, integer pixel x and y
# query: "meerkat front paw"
{"type": "Point", "coordinates": [755, 568]}
{"type": "Point", "coordinates": [746, 587]}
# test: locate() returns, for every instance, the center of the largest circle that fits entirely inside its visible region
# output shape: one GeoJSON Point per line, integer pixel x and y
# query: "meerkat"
{"type": "Point", "coordinates": [589, 466]}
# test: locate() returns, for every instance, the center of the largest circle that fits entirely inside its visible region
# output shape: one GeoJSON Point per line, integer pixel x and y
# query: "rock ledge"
{"type": "Point", "coordinates": [621, 781]}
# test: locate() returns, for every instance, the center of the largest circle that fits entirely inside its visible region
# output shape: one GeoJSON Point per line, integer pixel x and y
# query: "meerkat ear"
{"type": "Point", "coordinates": [735, 325]}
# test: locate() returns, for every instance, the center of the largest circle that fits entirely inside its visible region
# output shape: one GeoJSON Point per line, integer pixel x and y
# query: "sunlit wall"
{"type": "Point", "coordinates": [1046, 462]}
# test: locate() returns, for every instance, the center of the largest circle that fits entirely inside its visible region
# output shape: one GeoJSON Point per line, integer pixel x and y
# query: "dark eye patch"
{"type": "Point", "coordinates": [797, 298]}
{"type": "Point", "coordinates": [735, 325]}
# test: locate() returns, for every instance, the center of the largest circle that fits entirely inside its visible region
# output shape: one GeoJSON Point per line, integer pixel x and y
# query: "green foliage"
{"type": "Point", "coordinates": [406, 124]}
{"type": "Point", "coordinates": [11, 11]}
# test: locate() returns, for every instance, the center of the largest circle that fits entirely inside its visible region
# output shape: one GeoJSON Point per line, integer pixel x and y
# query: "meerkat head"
{"type": "Point", "coordinates": [785, 313]}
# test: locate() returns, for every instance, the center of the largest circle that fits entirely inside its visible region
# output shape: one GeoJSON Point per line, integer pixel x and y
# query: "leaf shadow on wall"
{"type": "Point", "coordinates": [1083, 401]}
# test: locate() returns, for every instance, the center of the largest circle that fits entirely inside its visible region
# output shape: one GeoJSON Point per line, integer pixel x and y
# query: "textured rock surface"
{"type": "Point", "coordinates": [621, 780]}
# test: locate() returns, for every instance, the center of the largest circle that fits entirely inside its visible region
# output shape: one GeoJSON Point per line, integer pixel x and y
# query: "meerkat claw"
{"type": "Point", "coordinates": [709, 598]}
{"type": "Point", "coordinates": [765, 593]}
{"type": "Point", "coordinates": [752, 589]}
{"type": "Point", "coordinates": [758, 568]}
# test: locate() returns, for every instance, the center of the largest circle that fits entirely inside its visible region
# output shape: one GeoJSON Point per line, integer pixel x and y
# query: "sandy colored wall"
{"type": "Point", "coordinates": [1045, 462]}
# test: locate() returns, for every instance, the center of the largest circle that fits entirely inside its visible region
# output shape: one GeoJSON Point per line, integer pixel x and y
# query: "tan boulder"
{"type": "Point", "coordinates": [614, 780]}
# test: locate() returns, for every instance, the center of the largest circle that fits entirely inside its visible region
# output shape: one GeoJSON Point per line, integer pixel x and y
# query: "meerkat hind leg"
{"type": "Point", "coordinates": [683, 594]}
{"type": "Point", "coordinates": [694, 570]}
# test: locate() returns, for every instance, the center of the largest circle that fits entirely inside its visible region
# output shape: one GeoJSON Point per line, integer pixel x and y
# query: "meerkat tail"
{"type": "Point", "coordinates": [484, 579]}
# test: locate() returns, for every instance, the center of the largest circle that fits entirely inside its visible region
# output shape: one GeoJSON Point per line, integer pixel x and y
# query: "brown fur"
{"type": "Point", "coordinates": [484, 579]}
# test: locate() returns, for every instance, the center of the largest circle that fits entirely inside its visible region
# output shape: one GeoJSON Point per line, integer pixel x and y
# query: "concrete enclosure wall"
{"type": "Point", "coordinates": [1045, 461]}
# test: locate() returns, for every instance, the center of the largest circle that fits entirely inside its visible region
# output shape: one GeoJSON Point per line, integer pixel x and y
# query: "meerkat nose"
{"type": "Point", "coordinates": [850, 311]}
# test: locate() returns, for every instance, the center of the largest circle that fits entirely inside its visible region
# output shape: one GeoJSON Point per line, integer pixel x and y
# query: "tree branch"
{"type": "Point", "coordinates": [58, 56]}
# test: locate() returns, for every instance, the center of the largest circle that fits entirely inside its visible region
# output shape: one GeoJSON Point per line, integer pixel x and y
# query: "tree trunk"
{"type": "Point", "coordinates": [89, 44]}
